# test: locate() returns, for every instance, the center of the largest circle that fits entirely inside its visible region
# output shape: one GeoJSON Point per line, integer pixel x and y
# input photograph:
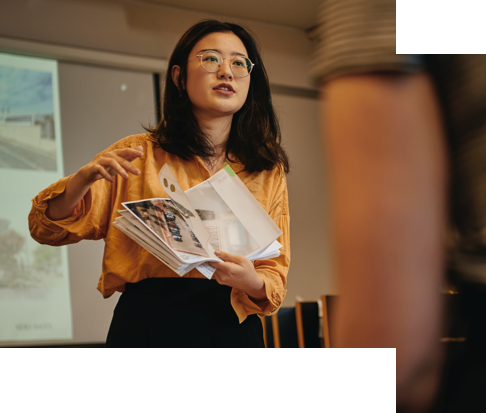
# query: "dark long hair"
{"type": "Point", "coordinates": [254, 138]}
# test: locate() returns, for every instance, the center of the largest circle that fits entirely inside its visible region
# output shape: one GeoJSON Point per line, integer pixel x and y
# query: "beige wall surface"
{"type": "Point", "coordinates": [310, 272]}
{"type": "Point", "coordinates": [150, 30]}
{"type": "Point", "coordinates": [145, 29]}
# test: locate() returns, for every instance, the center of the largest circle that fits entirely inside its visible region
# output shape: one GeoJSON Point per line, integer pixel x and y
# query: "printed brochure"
{"type": "Point", "coordinates": [184, 230]}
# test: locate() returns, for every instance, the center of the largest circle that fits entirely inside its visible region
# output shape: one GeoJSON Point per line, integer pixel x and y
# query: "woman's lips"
{"type": "Point", "coordinates": [224, 92]}
{"type": "Point", "coordinates": [224, 88]}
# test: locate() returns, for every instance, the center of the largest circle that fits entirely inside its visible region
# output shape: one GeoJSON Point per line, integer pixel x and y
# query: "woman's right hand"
{"type": "Point", "coordinates": [117, 162]}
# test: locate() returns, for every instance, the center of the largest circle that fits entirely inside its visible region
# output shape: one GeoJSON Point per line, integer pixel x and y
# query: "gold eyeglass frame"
{"type": "Point", "coordinates": [222, 60]}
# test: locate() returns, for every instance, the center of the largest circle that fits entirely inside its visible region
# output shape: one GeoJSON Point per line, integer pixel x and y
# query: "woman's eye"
{"type": "Point", "coordinates": [239, 64]}
{"type": "Point", "coordinates": [211, 59]}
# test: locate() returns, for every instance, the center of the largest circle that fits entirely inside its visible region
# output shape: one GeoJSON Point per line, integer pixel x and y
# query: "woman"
{"type": "Point", "coordinates": [217, 109]}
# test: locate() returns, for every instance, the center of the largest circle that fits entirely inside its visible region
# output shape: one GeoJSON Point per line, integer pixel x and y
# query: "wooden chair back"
{"type": "Point", "coordinates": [308, 324]}
{"type": "Point", "coordinates": [280, 330]}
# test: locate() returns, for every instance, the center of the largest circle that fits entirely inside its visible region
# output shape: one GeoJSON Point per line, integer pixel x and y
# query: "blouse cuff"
{"type": "Point", "coordinates": [245, 306]}
{"type": "Point", "coordinates": [40, 203]}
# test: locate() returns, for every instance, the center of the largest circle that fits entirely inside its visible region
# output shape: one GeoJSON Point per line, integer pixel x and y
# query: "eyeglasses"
{"type": "Point", "coordinates": [211, 61]}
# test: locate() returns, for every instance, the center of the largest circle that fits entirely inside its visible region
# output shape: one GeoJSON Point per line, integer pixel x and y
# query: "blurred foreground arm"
{"type": "Point", "coordinates": [386, 152]}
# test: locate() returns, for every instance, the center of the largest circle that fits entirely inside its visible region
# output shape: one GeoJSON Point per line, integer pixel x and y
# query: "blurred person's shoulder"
{"type": "Point", "coordinates": [354, 37]}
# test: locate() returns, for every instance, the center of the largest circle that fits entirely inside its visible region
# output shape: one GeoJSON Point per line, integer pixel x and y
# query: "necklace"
{"type": "Point", "coordinates": [215, 163]}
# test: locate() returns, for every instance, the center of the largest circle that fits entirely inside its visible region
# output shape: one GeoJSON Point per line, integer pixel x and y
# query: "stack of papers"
{"type": "Point", "coordinates": [183, 231]}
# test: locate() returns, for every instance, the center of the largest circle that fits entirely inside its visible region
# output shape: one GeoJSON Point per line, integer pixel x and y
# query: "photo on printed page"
{"type": "Point", "coordinates": [167, 222]}
{"type": "Point", "coordinates": [165, 217]}
{"type": "Point", "coordinates": [146, 211]}
{"type": "Point", "coordinates": [182, 236]}
{"type": "Point", "coordinates": [157, 220]}
{"type": "Point", "coordinates": [227, 232]}
{"type": "Point", "coordinates": [27, 133]}
{"type": "Point", "coordinates": [183, 204]}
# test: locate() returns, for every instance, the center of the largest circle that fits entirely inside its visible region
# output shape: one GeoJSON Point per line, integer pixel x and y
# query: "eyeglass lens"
{"type": "Point", "coordinates": [212, 61]}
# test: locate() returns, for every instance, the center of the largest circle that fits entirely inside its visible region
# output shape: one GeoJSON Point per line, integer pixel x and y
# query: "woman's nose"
{"type": "Point", "coordinates": [225, 69]}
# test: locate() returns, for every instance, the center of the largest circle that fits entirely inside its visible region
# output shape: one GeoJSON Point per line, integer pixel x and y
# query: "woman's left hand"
{"type": "Point", "coordinates": [238, 271]}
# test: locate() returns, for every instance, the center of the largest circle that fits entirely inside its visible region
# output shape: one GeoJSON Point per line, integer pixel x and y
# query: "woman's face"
{"type": "Point", "coordinates": [206, 90]}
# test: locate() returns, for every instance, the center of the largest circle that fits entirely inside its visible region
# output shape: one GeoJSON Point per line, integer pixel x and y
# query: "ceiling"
{"type": "Point", "coordinates": [294, 13]}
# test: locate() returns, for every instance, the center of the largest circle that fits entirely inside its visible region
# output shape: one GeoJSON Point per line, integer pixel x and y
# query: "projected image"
{"type": "Point", "coordinates": [23, 270]}
{"type": "Point", "coordinates": [34, 278]}
{"type": "Point", "coordinates": [27, 137]}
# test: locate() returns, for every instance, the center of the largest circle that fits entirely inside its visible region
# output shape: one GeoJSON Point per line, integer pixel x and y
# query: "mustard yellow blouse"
{"type": "Point", "coordinates": [124, 260]}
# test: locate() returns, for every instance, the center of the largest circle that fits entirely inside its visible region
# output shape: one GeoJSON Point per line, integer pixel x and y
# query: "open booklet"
{"type": "Point", "coordinates": [184, 231]}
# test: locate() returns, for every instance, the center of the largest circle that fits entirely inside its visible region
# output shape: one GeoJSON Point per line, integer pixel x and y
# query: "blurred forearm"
{"type": "Point", "coordinates": [385, 149]}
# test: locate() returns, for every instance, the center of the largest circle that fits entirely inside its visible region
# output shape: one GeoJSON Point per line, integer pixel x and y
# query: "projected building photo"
{"type": "Point", "coordinates": [34, 278]}
{"type": "Point", "coordinates": [27, 137]}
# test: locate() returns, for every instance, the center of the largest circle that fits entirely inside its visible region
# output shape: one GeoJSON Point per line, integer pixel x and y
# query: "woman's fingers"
{"type": "Point", "coordinates": [222, 278]}
{"type": "Point", "coordinates": [127, 166]}
{"type": "Point", "coordinates": [237, 259]}
{"type": "Point", "coordinates": [225, 267]}
{"type": "Point", "coordinates": [104, 173]}
{"type": "Point", "coordinates": [117, 162]}
{"type": "Point", "coordinates": [129, 154]}
{"type": "Point", "coordinates": [232, 264]}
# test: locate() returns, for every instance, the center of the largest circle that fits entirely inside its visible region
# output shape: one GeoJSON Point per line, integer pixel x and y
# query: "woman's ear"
{"type": "Point", "coordinates": [176, 71]}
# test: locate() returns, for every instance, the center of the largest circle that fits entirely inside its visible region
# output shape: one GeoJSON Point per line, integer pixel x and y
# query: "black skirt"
{"type": "Point", "coordinates": [180, 312]}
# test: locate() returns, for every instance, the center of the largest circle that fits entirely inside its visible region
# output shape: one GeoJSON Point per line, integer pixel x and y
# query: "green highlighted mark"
{"type": "Point", "coordinates": [229, 170]}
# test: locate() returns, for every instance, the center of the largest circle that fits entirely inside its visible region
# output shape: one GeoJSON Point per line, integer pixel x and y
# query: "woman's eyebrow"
{"type": "Point", "coordinates": [219, 51]}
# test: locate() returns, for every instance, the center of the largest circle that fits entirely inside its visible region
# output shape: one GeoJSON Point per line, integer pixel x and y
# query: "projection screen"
{"type": "Point", "coordinates": [34, 279]}
{"type": "Point", "coordinates": [54, 118]}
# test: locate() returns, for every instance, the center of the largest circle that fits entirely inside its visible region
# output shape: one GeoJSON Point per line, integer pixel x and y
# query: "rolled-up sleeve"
{"type": "Point", "coordinates": [273, 271]}
{"type": "Point", "coordinates": [88, 220]}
